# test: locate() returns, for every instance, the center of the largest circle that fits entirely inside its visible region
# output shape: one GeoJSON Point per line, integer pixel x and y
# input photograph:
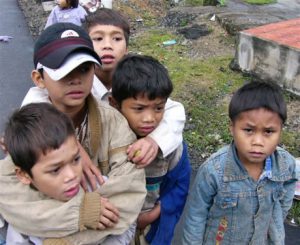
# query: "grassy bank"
{"type": "Point", "coordinates": [205, 88]}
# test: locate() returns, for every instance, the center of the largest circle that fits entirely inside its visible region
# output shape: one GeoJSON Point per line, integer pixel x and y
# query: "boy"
{"type": "Point", "coordinates": [64, 59]}
{"type": "Point", "coordinates": [242, 193]}
{"type": "Point", "coordinates": [109, 31]}
{"type": "Point", "coordinates": [140, 89]}
{"type": "Point", "coordinates": [51, 163]}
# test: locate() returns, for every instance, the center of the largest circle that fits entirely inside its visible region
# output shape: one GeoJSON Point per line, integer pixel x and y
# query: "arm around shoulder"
{"type": "Point", "coordinates": [34, 214]}
{"type": "Point", "coordinates": [125, 187]}
{"type": "Point", "coordinates": [170, 128]}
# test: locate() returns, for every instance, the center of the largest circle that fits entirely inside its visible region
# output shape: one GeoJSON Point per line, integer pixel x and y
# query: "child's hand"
{"type": "Point", "coordinates": [149, 217]}
{"type": "Point", "coordinates": [90, 171]}
{"type": "Point", "coordinates": [143, 151]}
{"type": "Point", "coordinates": [109, 216]}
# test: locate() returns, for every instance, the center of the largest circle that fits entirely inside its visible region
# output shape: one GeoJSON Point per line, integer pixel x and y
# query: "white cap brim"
{"type": "Point", "coordinates": [73, 61]}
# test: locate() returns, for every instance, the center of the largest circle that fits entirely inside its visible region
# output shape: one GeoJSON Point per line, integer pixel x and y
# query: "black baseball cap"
{"type": "Point", "coordinates": [58, 41]}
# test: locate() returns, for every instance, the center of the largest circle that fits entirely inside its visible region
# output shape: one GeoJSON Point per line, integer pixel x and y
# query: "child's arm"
{"type": "Point", "coordinates": [33, 214]}
{"type": "Point", "coordinates": [52, 17]}
{"type": "Point", "coordinates": [167, 136]}
{"type": "Point", "coordinates": [173, 193]}
{"type": "Point", "coordinates": [199, 202]}
{"type": "Point", "coordinates": [146, 218]}
{"type": "Point", "coordinates": [289, 187]}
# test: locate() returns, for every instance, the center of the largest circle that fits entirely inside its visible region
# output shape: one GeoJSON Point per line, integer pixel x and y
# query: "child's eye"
{"type": "Point", "coordinates": [269, 131]}
{"type": "Point", "coordinates": [159, 109]}
{"type": "Point", "coordinates": [54, 171]}
{"type": "Point", "coordinates": [77, 159]}
{"type": "Point", "coordinates": [85, 67]}
{"type": "Point", "coordinates": [248, 130]}
{"type": "Point", "coordinates": [118, 38]}
{"type": "Point", "coordinates": [97, 39]}
{"type": "Point", "coordinates": [137, 108]}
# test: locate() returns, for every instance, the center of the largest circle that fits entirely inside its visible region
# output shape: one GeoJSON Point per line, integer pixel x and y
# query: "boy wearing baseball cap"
{"type": "Point", "coordinates": [110, 30]}
{"type": "Point", "coordinates": [65, 63]}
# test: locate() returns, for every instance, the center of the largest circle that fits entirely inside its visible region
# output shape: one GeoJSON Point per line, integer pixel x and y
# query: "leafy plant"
{"type": "Point", "coordinates": [294, 213]}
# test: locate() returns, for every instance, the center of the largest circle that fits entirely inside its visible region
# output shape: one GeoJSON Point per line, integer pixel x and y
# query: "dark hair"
{"type": "Point", "coordinates": [138, 74]}
{"type": "Point", "coordinates": [105, 16]}
{"type": "Point", "coordinates": [73, 3]}
{"type": "Point", "coordinates": [35, 129]}
{"type": "Point", "coordinates": [254, 95]}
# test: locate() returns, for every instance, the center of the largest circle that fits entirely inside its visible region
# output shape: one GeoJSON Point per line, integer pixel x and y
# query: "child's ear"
{"type": "Point", "coordinates": [37, 78]}
{"type": "Point", "coordinates": [113, 102]}
{"type": "Point", "coordinates": [23, 176]}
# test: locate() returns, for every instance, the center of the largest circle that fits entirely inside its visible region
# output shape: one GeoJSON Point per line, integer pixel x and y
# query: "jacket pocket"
{"type": "Point", "coordinates": [226, 201]}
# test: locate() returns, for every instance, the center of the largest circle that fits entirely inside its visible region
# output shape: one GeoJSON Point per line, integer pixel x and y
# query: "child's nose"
{"type": "Point", "coordinates": [69, 173]}
{"type": "Point", "coordinates": [258, 139]}
{"type": "Point", "coordinates": [73, 78]}
{"type": "Point", "coordinates": [107, 43]}
{"type": "Point", "coordinates": [148, 117]}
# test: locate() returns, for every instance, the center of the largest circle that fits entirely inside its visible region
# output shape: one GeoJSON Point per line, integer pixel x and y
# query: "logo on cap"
{"type": "Point", "coordinates": [69, 33]}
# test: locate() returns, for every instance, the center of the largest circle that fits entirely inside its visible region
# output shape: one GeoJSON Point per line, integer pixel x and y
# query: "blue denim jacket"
{"type": "Point", "coordinates": [226, 206]}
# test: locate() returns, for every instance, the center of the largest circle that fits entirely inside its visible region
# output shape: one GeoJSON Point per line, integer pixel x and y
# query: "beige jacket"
{"type": "Point", "coordinates": [32, 213]}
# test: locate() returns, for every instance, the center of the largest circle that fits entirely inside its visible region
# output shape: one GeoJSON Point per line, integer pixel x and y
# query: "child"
{"type": "Point", "coordinates": [109, 31]}
{"type": "Point", "coordinates": [242, 193]}
{"type": "Point", "coordinates": [140, 89]}
{"type": "Point", "coordinates": [51, 163]}
{"type": "Point", "coordinates": [67, 11]}
{"type": "Point", "coordinates": [64, 59]}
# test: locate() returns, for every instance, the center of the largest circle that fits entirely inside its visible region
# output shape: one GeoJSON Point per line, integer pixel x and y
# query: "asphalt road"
{"type": "Point", "coordinates": [15, 59]}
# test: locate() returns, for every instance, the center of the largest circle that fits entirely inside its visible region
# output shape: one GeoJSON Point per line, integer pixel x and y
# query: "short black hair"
{"type": "Point", "coordinates": [255, 95]}
{"type": "Point", "coordinates": [33, 130]}
{"type": "Point", "coordinates": [139, 74]}
{"type": "Point", "coordinates": [105, 16]}
{"type": "Point", "coordinates": [73, 3]}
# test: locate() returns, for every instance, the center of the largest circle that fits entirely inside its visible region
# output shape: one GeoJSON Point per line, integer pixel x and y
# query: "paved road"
{"type": "Point", "coordinates": [15, 59]}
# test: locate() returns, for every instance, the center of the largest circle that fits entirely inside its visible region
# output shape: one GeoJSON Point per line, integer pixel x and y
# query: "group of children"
{"type": "Point", "coordinates": [102, 118]}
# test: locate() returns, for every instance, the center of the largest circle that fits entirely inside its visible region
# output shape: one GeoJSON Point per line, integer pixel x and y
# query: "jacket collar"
{"type": "Point", "coordinates": [234, 169]}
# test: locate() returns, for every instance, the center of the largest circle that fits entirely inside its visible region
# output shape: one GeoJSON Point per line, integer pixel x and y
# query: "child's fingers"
{"type": "Point", "coordinates": [83, 183]}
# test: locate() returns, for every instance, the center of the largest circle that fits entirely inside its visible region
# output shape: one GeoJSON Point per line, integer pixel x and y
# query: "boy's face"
{"type": "Point", "coordinates": [71, 91]}
{"type": "Point", "coordinates": [109, 43]}
{"type": "Point", "coordinates": [256, 134]}
{"type": "Point", "coordinates": [142, 114]}
{"type": "Point", "coordinates": [58, 173]}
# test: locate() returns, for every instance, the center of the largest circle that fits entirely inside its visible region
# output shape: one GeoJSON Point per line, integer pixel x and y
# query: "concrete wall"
{"type": "Point", "coordinates": [269, 61]}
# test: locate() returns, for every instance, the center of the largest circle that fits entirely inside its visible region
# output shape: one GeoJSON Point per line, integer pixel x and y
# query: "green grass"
{"type": "Point", "coordinates": [260, 1]}
{"type": "Point", "coordinates": [294, 213]}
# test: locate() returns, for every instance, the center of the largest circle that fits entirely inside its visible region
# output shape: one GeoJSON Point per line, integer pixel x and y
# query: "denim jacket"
{"type": "Point", "coordinates": [226, 206]}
